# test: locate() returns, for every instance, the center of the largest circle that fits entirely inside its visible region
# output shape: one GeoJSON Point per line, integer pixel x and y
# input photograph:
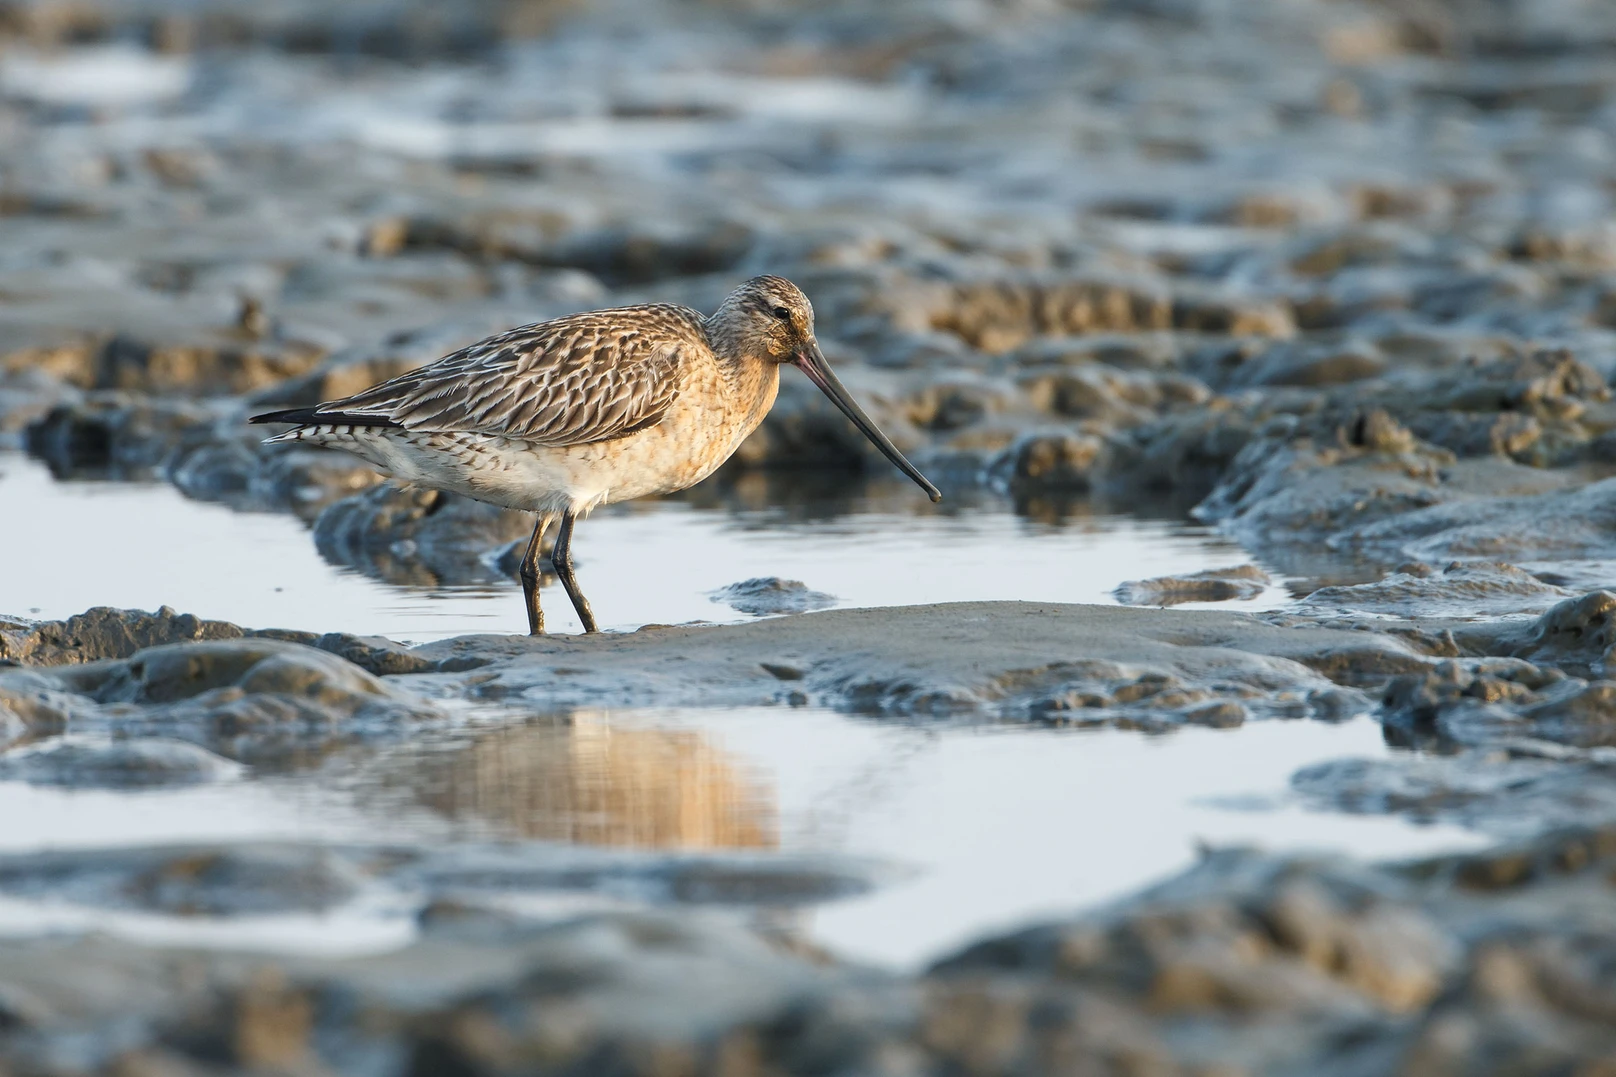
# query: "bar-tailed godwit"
{"type": "Point", "coordinates": [561, 416]}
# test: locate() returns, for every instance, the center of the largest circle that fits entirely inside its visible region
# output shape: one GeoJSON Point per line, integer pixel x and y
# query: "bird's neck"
{"type": "Point", "coordinates": [750, 381]}
{"type": "Point", "coordinates": [752, 385]}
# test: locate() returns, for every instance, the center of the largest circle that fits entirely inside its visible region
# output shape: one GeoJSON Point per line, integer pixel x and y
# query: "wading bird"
{"type": "Point", "coordinates": [561, 416]}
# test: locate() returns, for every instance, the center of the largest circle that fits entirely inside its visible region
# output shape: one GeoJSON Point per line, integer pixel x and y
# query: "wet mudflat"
{"type": "Point", "coordinates": [1334, 282]}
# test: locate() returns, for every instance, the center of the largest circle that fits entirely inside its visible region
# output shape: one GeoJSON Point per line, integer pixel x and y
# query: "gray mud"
{"type": "Point", "coordinates": [1011, 661]}
{"type": "Point", "coordinates": [1078, 664]}
{"type": "Point", "coordinates": [1213, 585]}
{"type": "Point", "coordinates": [1337, 278]}
{"type": "Point", "coordinates": [770, 594]}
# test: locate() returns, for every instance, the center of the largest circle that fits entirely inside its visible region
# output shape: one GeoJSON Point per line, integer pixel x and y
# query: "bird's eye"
{"type": "Point", "coordinates": [783, 313]}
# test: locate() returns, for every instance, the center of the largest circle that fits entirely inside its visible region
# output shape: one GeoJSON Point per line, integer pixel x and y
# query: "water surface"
{"type": "Point", "coordinates": [975, 827]}
{"type": "Point", "coordinates": [144, 545]}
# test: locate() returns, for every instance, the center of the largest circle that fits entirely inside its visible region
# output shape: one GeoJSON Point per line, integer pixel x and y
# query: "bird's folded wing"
{"type": "Point", "coordinates": [572, 381]}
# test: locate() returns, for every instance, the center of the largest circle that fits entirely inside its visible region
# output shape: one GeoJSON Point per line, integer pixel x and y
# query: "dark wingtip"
{"type": "Point", "coordinates": [289, 415]}
{"type": "Point", "coordinates": [315, 417]}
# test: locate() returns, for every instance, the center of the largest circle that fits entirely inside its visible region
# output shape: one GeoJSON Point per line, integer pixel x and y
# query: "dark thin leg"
{"type": "Point", "coordinates": [561, 558]}
{"type": "Point", "coordinates": [530, 578]}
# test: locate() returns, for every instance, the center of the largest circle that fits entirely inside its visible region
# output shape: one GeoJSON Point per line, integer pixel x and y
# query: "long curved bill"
{"type": "Point", "coordinates": [811, 361]}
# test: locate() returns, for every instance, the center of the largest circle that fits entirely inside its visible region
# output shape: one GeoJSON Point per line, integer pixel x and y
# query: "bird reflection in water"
{"type": "Point", "coordinates": [588, 781]}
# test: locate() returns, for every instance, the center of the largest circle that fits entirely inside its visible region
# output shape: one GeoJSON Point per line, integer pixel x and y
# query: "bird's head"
{"type": "Point", "coordinates": [768, 319]}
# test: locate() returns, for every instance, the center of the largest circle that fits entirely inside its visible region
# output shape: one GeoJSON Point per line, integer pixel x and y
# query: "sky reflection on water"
{"type": "Point", "coordinates": [144, 545]}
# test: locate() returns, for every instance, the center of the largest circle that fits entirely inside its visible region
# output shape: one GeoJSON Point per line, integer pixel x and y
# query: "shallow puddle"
{"type": "Point", "coordinates": [143, 546]}
{"type": "Point", "coordinates": [970, 827]}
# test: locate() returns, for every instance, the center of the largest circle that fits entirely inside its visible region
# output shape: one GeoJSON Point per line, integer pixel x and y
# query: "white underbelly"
{"type": "Point", "coordinates": [535, 478]}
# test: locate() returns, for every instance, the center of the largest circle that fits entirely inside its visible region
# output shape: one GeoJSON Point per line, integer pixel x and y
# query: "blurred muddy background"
{"type": "Point", "coordinates": [1303, 310]}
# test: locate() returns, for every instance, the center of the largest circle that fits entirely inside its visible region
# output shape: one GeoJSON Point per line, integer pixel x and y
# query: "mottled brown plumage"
{"type": "Point", "coordinates": [572, 381]}
{"type": "Point", "coordinates": [561, 416]}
